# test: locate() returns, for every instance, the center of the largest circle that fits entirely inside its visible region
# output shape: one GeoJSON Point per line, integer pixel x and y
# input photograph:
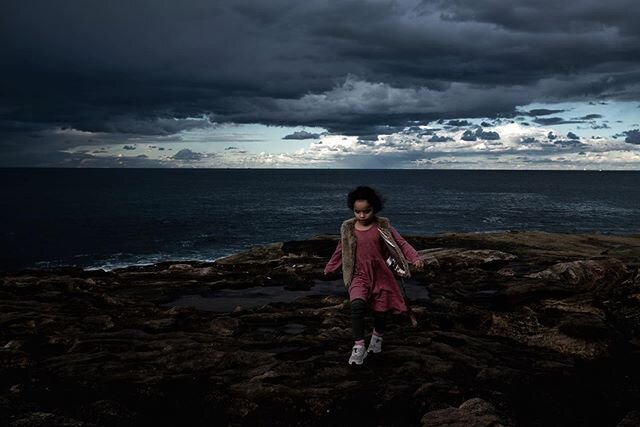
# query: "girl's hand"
{"type": "Point", "coordinates": [419, 264]}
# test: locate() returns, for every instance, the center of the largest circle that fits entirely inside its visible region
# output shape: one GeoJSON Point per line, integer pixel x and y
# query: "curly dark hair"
{"type": "Point", "coordinates": [366, 193]}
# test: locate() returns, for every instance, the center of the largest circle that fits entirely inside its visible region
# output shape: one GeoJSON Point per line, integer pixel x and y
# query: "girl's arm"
{"type": "Point", "coordinates": [409, 253]}
{"type": "Point", "coordinates": [336, 260]}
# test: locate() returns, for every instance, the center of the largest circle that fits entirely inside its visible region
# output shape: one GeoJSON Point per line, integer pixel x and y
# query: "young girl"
{"type": "Point", "coordinates": [366, 241]}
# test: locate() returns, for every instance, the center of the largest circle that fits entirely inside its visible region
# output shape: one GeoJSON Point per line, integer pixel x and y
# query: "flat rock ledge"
{"type": "Point", "coordinates": [519, 329]}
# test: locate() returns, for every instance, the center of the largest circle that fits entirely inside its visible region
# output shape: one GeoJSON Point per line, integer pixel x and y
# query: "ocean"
{"type": "Point", "coordinates": [110, 218]}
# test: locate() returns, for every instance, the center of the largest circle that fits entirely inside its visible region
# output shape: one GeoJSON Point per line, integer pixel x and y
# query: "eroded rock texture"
{"type": "Point", "coordinates": [520, 329]}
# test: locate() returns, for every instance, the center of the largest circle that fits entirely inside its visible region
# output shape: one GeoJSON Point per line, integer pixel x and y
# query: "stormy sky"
{"type": "Point", "coordinates": [335, 83]}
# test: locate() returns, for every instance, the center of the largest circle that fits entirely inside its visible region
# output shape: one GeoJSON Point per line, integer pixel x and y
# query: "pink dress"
{"type": "Point", "coordinates": [372, 280]}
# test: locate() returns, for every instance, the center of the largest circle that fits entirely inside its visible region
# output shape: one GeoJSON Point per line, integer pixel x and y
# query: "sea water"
{"type": "Point", "coordinates": [108, 218]}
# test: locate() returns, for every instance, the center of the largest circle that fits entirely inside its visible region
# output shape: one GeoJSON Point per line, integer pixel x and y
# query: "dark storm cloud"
{"type": "Point", "coordinates": [529, 140]}
{"type": "Point", "coordinates": [188, 155]}
{"type": "Point", "coordinates": [590, 117]}
{"type": "Point", "coordinates": [572, 16]}
{"type": "Point", "coordinates": [58, 159]}
{"type": "Point", "coordinates": [572, 135]}
{"type": "Point", "coordinates": [302, 135]}
{"type": "Point", "coordinates": [568, 143]}
{"type": "Point", "coordinates": [632, 136]}
{"type": "Point", "coordinates": [468, 135]}
{"type": "Point", "coordinates": [543, 112]}
{"type": "Point", "coordinates": [487, 135]}
{"type": "Point", "coordinates": [368, 139]}
{"type": "Point", "coordinates": [458, 123]}
{"type": "Point", "coordinates": [427, 132]}
{"type": "Point", "coordinates": [146, 68]}
{"type": "Point", "coordinates": [436, 138]}
{"type": "Point", "coordinates": [556, 121]}
{"type": "Point", "coordinates": [368, 132]}
{"type": "Point", "coordinates": [480, 133]}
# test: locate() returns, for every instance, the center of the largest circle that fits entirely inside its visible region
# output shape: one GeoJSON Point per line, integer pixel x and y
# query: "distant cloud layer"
{"type": "Point", "coordinates": [93, 73]}
{"type": "Point", "coordinates": [518, 147]}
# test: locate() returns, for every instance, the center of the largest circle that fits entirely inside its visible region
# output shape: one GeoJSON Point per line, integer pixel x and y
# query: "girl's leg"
{"type": "Point", "coordinates": [358, 307]}
{"type": "Point", "coordinates": [358, 352]}
{"type": "Point", "coordinates": [379, 322]}
{"type": "Point", "coordinates": [379, 326]}
{"type": "Point", "coordinates": [358, 295]}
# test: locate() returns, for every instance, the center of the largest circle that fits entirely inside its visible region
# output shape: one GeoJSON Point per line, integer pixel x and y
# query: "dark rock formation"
{"type": "Point", "coordinates": [520, 329]}
{"type": "Point", "coordinates": [472, 413]}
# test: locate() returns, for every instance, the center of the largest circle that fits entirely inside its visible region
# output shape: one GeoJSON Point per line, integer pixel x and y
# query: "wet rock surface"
{"type": "Point", "coordinates": [519, 329]}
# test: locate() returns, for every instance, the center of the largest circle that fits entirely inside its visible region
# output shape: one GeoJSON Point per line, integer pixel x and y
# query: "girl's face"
{"type": "Point", "coordinates": [363, 212]}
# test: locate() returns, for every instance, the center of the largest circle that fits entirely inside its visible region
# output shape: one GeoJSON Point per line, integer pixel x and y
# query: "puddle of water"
{"type": "Point", "coordinates": [226, 300]}
{"type": "Point", "coordinates": [487, 292]}
{"type": "Point", "coordinates": [416, 290]}
{"type": "Point", "coordinates": [294, 328]}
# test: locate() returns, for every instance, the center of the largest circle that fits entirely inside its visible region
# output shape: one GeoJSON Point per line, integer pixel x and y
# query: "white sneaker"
{"type": "Point", "coordinates": [357, 355]}
{"type": "Point", "coordinates": [375, 345]}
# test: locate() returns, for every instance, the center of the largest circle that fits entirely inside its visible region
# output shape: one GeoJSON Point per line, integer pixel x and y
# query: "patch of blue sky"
{"type": "Point", "coordinates": [252, 138]}
{"type": "Point", "coordinates": [618, 116]}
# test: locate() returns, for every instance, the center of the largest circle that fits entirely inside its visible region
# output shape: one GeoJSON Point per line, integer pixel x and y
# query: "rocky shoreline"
{"type": "Point", "coordinates": [518, 329]}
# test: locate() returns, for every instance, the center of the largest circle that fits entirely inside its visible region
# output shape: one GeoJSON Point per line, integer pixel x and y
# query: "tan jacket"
{"type": "Point", "coordinates": [349, 241]}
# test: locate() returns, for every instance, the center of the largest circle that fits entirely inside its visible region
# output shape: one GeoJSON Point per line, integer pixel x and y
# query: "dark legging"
{"type": "Point", "coordinates": [358, 308]}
